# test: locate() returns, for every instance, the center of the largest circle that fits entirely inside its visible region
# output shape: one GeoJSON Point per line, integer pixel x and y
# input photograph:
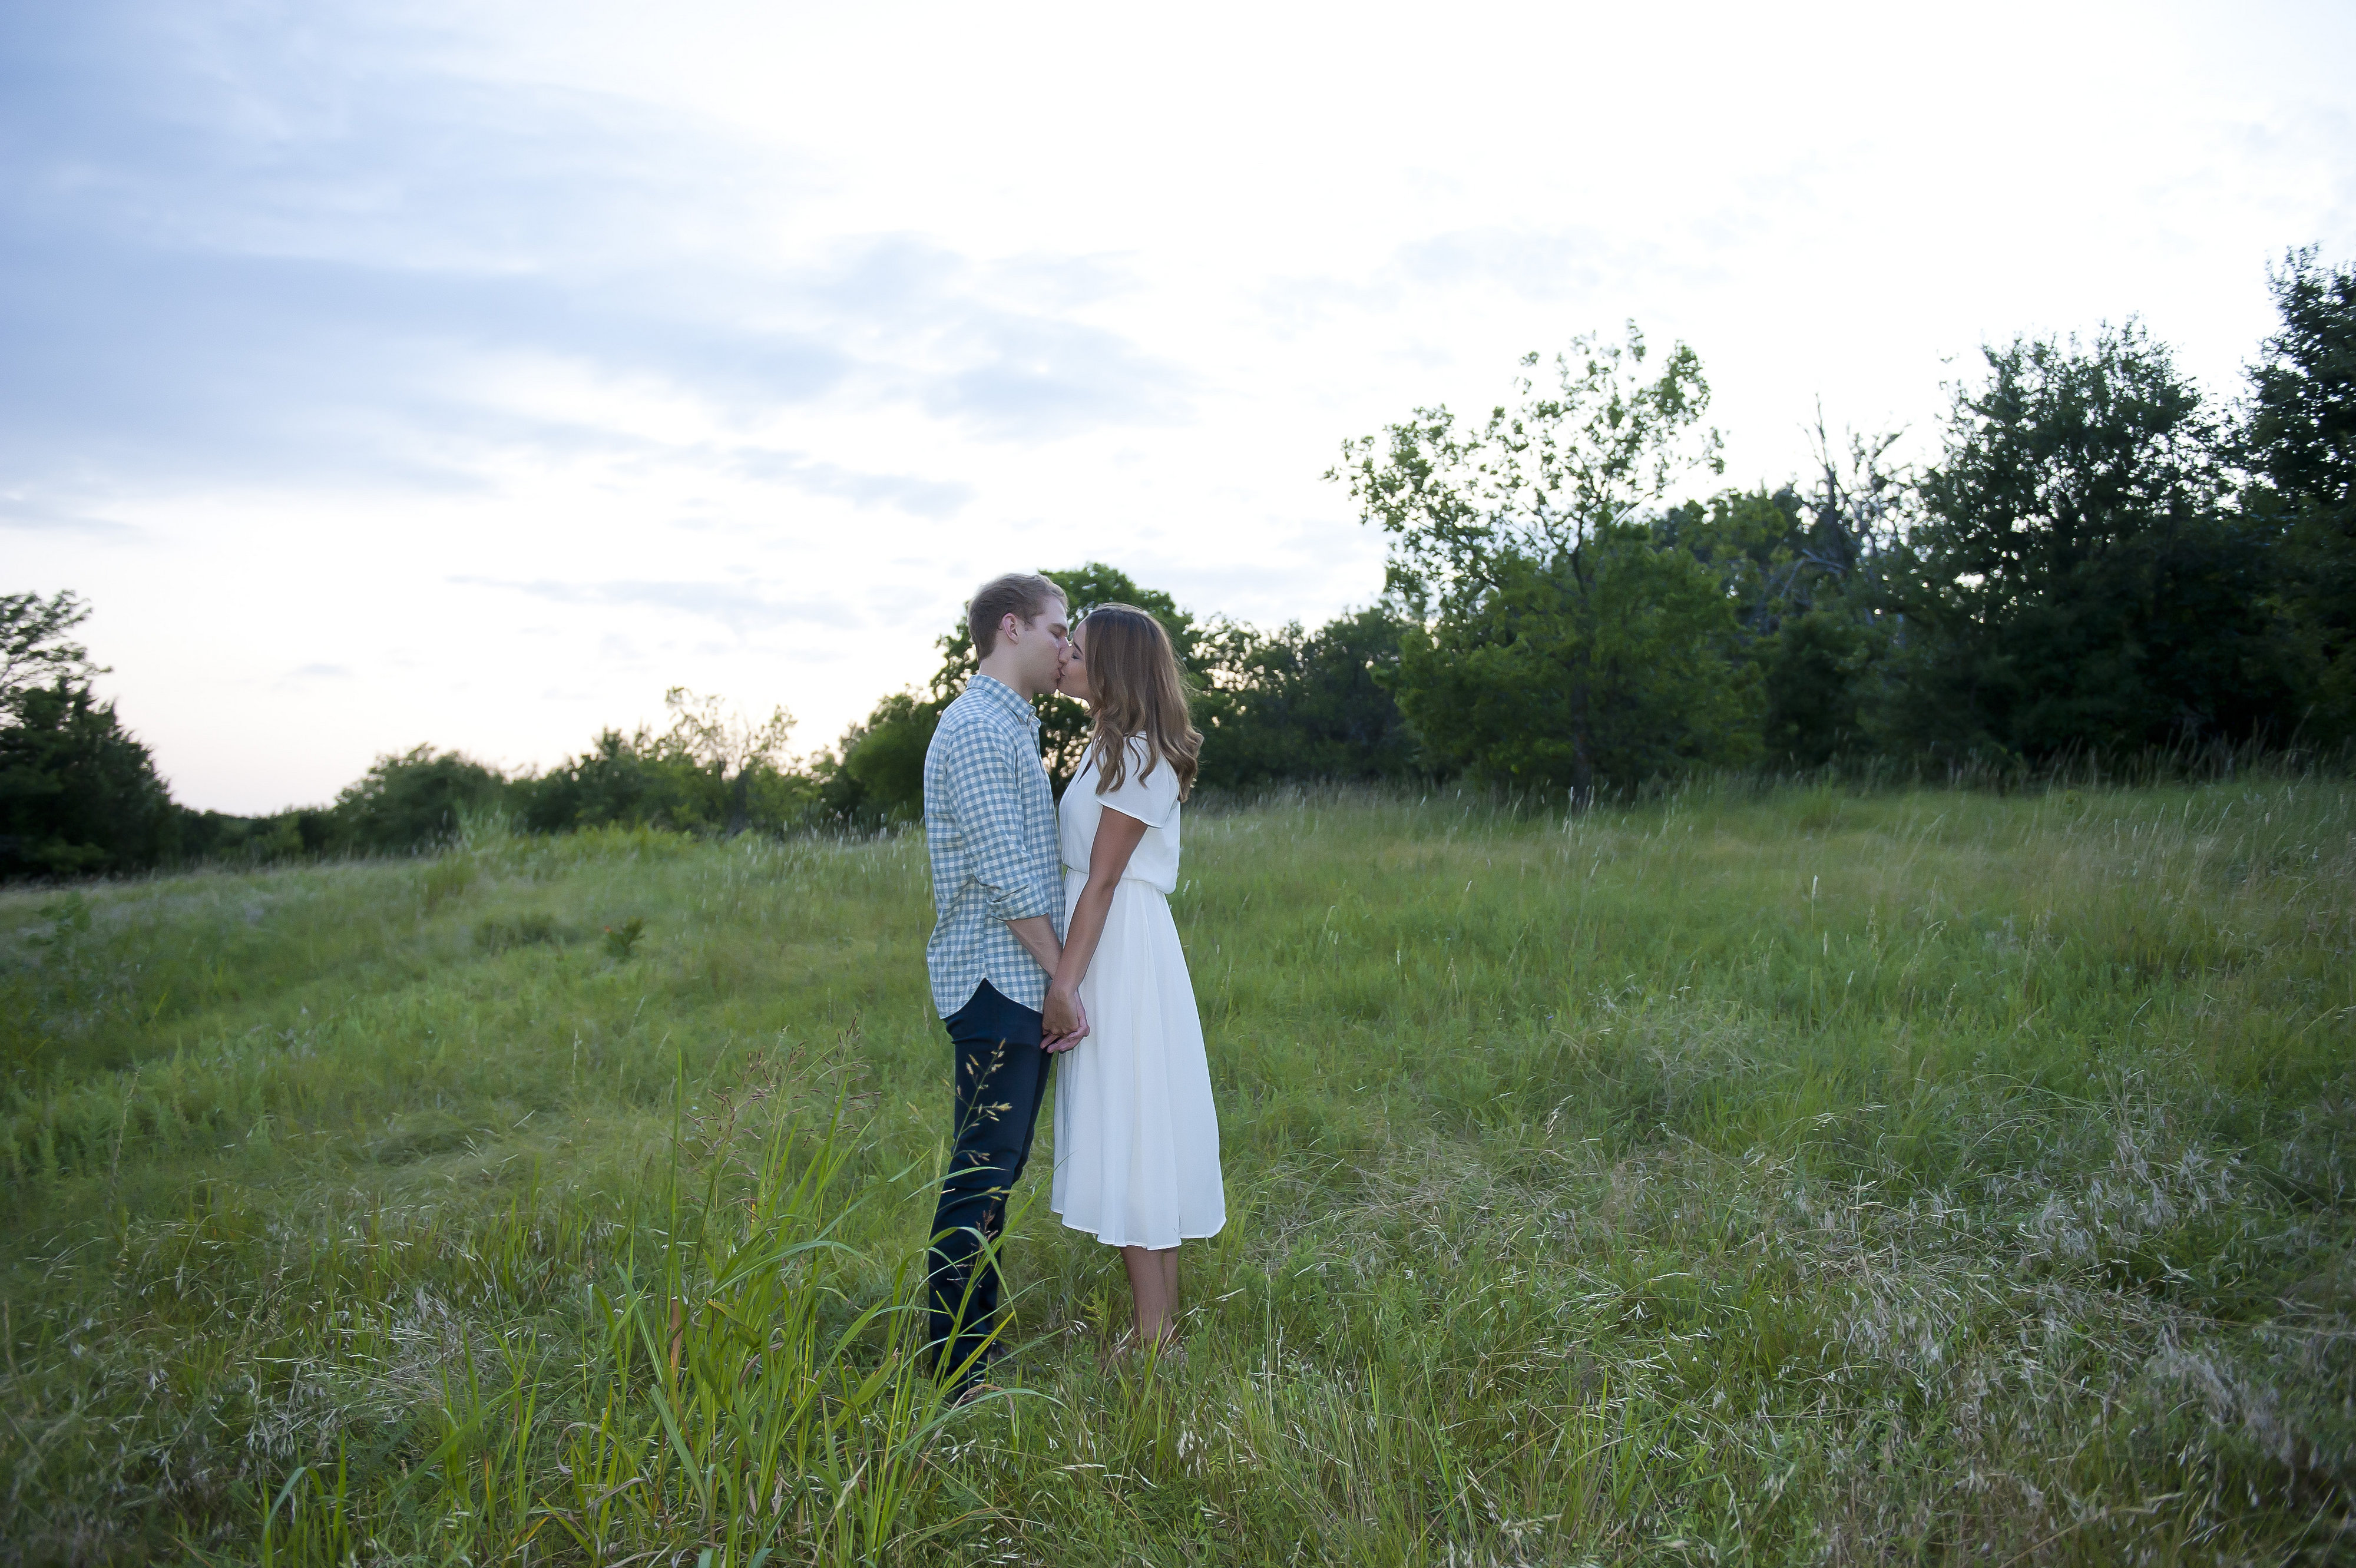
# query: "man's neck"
{"type": "Point", "coordinates": [1004, 672]}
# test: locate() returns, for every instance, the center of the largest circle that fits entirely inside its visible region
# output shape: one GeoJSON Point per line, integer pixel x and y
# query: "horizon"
{"type": "Point", "coordinates": [470, 377]}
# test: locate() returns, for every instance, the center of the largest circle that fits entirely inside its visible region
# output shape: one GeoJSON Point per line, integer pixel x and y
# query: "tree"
{"type": "Point", "coordinates": [35, 649]}
{"type": "Point", "coordinates": [292, 834]}
{"type": "Point", "coordinates": [2299, 443]}
{"type": "Point", "coordinates": [738, 755]}
{"type": "Point", "coordinates": [880, 775]}
{"type": "Point", "coordinates": [78, 794]}
{"type": "Point", "coordinates": [1859, 512]}
{"type": "Point", "coordinates": [2078, 583]}
{"type": "Point", "coordinates": [616, 781]}
{"type": "Point", "coordinates": [1550, 641]}
{"type": "Point", "coordinates": [1631, 670]}
{"type": "Point", "coordinates": [411, 799]}
{"type": "Point", "coordinates": [1809, 574]}
{"type": "Point", "coordinates": [709, 771]}
{"type": "Point", "coordinates": [1295, 704]}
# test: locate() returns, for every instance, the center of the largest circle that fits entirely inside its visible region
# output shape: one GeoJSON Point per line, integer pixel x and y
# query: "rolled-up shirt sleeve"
{"type": "Point", "coordinates": [982, 777]}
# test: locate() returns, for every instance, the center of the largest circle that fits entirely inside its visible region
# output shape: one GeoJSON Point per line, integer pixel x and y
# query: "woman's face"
{"type": "Point", "coordinates": [1072, 675]}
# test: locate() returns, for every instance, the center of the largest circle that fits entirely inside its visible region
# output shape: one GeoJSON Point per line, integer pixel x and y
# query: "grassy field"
{"type": "Point", "coordinates": [1805, 1177]}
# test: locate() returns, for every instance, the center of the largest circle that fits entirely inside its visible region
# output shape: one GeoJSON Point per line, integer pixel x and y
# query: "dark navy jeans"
{"type": "Point", "coordinates": [1002, 1077]}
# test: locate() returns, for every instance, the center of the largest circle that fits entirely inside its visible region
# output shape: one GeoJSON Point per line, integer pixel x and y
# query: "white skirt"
{"type": "Point", "coordinates": [1136, 1140]}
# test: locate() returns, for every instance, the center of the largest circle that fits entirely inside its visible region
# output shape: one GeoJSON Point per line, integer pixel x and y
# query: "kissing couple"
{"type": "Point", "coordinates": [1053, 947]}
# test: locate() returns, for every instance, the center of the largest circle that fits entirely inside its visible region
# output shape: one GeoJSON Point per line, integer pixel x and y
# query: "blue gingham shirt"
{"type": "Point", "coordinates": [990, 826]}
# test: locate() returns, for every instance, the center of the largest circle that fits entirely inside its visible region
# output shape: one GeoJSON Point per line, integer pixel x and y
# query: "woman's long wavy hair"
{"type": "Point", "coordinates": [1136, 690]}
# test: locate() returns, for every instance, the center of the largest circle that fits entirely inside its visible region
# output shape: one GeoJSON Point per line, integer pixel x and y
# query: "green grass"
{"type": "Point", "coordinates": [1805, 1177]}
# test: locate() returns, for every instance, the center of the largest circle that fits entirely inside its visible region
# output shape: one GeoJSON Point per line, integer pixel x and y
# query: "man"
{"type": "Point", "coordinates": [997, 901]}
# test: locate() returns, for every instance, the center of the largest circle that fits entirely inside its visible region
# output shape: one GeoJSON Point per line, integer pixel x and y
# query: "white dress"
{"type": "Point", "coordinates": [1136, 1140]}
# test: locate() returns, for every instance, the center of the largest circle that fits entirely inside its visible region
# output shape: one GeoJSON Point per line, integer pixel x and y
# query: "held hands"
{"type": "Point", "coordinates": [1063, 1022]}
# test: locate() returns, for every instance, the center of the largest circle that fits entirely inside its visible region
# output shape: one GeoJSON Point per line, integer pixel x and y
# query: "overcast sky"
{"type": "Point", "coordinates": [471, 373]}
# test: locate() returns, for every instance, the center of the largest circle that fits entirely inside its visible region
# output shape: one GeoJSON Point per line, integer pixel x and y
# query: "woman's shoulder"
{"type": "Point", "coordinates": [1148, 786]}
{"type": "Point", "coordinates": [1153, 773]}
{"type": "Point", "coordinates": [1136, 753]}
{"type": "Point", "coordinates": [1143, 761]}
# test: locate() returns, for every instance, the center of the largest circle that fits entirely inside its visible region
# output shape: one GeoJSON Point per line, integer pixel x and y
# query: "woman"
{"type": "Point", "coordinates": [1136, 1140]}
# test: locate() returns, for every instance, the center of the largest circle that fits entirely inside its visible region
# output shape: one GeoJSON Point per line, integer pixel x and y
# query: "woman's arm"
{"type": "Point", "coordinates": [1118, 836]}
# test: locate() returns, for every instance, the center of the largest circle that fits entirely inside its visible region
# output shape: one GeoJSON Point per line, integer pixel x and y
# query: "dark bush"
{"type": "Point", "coordinates": [78, 794]}
{"type": "Point", "coordinates": [410, 799]}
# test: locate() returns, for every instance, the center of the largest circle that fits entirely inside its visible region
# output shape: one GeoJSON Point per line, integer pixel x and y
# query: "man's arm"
{"type": "Point", "coordinates": [984, 791]}
{"type": "Point", "coordinates": [1038, 935]}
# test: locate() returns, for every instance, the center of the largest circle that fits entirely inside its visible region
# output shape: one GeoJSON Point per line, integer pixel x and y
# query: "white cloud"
{"type": "Point", "coordinates": [504, 349]}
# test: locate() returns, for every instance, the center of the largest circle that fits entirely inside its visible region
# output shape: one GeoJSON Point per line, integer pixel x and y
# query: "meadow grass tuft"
{"type": "Point", "coordinates": [1812, 1176]}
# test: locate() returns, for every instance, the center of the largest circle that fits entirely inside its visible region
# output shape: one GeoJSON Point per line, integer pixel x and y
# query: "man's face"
{"type": "Point", "coordinates": [1039, 645]}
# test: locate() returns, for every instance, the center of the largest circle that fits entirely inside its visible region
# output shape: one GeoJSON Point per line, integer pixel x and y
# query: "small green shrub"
{"type": "Point", "coordinates": [622, 939]}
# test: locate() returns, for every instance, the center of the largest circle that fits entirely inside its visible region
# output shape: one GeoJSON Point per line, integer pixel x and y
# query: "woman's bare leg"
{"type": "Point", "coordinates": [1153, 1285]}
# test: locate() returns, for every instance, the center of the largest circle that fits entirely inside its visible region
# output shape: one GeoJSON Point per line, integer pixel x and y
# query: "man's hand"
{"type": "Point", "coordinates": [1063, 1022]}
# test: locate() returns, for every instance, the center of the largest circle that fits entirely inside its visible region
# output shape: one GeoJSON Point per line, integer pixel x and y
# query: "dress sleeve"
{"type": "Point", "coordinates": [1150, 797]}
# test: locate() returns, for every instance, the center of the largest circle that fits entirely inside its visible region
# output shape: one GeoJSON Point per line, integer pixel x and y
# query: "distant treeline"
{"type": "Point", "coordinates": [2101, 562]}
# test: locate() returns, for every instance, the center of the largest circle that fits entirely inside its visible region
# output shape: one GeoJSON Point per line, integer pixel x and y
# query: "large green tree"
{"type": "Point", "coordinates": [2299, 443]}
{"type": "Point", "coordinates": [79, 793]}
{"type": "Point", "coordinates": [411, 799]}
{"type": "Point", "coordinates": [1552, 641]}
{"type": "Point", "coordinates": [2079, 582]}
{"type": "Point", "coordinates": [877, 773]}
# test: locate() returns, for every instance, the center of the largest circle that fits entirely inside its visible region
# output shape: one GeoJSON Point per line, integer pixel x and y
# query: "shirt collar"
{"type": "Point", "coordinates": [1004, 698]}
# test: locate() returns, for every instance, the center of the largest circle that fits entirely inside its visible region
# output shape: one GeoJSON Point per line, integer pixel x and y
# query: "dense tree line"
{"type": "Point", "coordinates": [706, 772]}
{"type": "Point", "coordinates": [2099, 563]}
{"type": "Point", "coordinates": [2100, 560]}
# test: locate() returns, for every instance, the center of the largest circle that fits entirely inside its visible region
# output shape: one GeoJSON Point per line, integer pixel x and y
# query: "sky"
{"type": "Point", "coordinates": [470, 374]}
